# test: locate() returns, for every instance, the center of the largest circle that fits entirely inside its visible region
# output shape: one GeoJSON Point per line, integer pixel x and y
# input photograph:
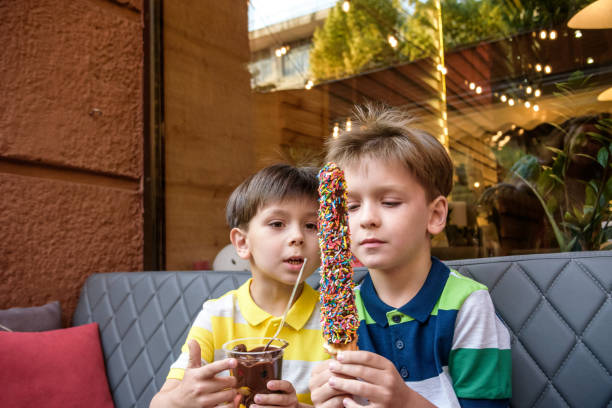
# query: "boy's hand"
{"type": "Point", "coordinates": [285, 398]}
{"type": "Point", "coordinates": [379, 382]}
{"type": "Point", "coordinates": [322, 395]}
{"type": "Point", "coordinates": [200, 387]}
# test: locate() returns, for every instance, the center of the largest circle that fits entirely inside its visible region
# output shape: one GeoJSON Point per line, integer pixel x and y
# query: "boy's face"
{"type": "Point", "coordinates": [390, 219]}
{"type": "Point", "coordinates": [278, 239]}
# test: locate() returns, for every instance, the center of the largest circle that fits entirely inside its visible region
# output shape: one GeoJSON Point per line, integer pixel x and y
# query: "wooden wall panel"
{"type": "Point", "coordinates": [208, 129]}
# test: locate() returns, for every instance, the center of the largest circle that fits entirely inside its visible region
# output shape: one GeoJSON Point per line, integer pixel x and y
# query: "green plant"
{"type": "Point", "coordinates": [579, 222]}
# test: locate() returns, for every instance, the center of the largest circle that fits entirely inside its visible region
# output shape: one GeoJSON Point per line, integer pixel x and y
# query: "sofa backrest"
{"type": "Point", "coordinates": [558, 308]}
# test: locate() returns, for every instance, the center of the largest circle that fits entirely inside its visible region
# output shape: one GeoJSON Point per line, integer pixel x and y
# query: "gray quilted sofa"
{"type": "Point", "coordinates": [558, 308]}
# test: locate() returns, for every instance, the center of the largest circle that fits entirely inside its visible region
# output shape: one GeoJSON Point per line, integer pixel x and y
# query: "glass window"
{"type": "Point", "coordinates": [520, 98]}
{"type": "Point", "coordinates": [295, 62]}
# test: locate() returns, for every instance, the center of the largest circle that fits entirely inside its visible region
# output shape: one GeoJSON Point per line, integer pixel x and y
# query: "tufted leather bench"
{"type": "Point", "coordinates": [558, 308]}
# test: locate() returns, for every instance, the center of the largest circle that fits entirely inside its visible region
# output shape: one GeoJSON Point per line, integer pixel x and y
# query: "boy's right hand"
{"type": "Point", "coordinates": [322, 395]}
{"type": "Point", "coordinates": [200, 387]}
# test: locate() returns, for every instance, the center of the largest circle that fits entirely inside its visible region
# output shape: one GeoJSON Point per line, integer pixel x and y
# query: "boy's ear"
{"type": "Point", "coordinates": [240, 242]}
{"type": "Point", "coordinates": [438, 209]}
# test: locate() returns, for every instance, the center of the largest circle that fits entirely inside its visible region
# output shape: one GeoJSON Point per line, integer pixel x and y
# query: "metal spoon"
{"type": "Point", "coordinates": [280, 326]}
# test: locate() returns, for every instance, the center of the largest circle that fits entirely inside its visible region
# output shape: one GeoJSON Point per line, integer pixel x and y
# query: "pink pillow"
{"type": "Point", "coordinates": [56, 368]}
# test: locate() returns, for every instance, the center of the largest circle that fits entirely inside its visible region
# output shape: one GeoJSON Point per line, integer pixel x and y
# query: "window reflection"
{"type": "Point", "coordinates": [511, 91]}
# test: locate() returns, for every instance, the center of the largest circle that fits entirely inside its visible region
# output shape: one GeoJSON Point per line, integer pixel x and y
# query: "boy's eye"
{"type": "Point", "coordinates": [276, 224]}
{"type": "Point", "coordinates": [352, 206]}
{"type": "Point", "coordinates": [390, 203]}
{"type": "Point", "coordinates": [311, 226]}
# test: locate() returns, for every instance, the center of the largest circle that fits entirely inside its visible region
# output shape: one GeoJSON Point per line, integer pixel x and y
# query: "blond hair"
{"type": "Point", "coordinates": [386, 133]}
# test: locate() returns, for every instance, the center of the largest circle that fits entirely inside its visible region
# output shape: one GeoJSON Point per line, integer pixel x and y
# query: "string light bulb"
{"type": "Point", "coordinates": [472, 86]}
{"type": "Point", "coordinates": [476, 184]}
{"type": "Point", "coordinates": [349, 125]}
{"type": "Point", "coordinates": [478, 90]}
{"type": "Point", "coordinates": [336, 131]}
{"type": "Point", "coordinates": [392, 41]}
{"type": "Point", "coordinates": [529, 89]}
{"type": "Point", "coordinates": [346, 6]}
{"type": "Point", "coordinates": [281, 51]}
{"type": "Point", "coordinates": [504, 141]}
{"type": "Point", "coordinates": [543, 34]}
{"type": "Point", "coordinates": [578, 34]}
{"type": "Point", "coordinates": [552, 35]}
{"type": "Point", "coordinates": [527, 104]}
{"type": "Point", "coordinates": [503, 98]}
{"type": "Point", "coordinates": [309, 84]}
{"type": "Point", "coordinates": [538, 67]}
{"type": "Point", "coordinates": [537, 93]}
{"type": "Point", "coordinates": [511, 102]}
{"type": "Point", "coordinates": [536, 107]}
{"type": "Point", "coordinates": [590, 60]}
{"type": "Point", "coordinates": [548, 69]}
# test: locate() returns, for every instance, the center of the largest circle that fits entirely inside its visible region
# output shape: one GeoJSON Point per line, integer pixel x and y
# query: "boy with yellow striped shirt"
{"type": "Point", "coordinates": [273, 221]}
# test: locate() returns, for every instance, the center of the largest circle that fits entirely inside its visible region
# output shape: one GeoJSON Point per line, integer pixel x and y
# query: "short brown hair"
{"type": "Point", "coordinates": [386, 133]}
{"type": "Point", "coordinates": [273, 183]}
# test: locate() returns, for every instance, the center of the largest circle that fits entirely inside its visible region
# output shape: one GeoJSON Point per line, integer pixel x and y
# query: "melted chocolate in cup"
{"type": "Point", "coordinates": [256, 364]}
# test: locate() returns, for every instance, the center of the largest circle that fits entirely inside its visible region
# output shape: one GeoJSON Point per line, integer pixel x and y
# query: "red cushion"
{"type": "Point", "coordinates": [56, 368]}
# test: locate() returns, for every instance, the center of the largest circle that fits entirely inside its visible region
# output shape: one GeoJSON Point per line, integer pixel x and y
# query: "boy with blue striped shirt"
{"type": "Point", "coordinates": [427, 336]}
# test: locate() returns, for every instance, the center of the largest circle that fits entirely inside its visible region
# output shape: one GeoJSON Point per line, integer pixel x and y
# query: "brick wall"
{"type": "Point", "coordinates": [71, 146]}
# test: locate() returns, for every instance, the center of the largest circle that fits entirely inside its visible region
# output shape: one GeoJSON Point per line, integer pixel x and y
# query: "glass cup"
{"type": "Point", "coordinates": [256, 366]}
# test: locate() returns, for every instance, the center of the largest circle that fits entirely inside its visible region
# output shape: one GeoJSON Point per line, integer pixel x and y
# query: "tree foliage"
{"type": "Point", "coordinates": [349, 43]}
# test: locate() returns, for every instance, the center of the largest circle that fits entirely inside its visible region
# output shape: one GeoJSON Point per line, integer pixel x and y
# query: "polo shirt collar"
{"type": "Point", "coordinates": [419, 307]}
{"type": "Point", "coordinates": [302, 309]}
{"type": "Point", "coordinates": [297, 316]}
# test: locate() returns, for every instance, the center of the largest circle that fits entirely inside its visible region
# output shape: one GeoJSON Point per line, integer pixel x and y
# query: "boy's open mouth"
{"type": "Point", "coordinates": [295, 260]}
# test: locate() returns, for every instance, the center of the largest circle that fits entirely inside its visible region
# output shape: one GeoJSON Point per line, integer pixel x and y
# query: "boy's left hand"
{"type": "Point", "coordinates": [285, 398]}
{"type": "Point", "coordinates": [374, 378]}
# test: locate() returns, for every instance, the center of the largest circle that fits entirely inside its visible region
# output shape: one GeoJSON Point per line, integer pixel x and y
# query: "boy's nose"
{"type": "Point", "coordinates": [296, 236]}
{"type": "Point", "coordinates": [296, 241]}
{"type": "Point", "coordinates": [369, 218]}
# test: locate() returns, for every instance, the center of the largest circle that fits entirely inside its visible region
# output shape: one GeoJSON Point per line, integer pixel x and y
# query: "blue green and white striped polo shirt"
{"type": "Point", "coordinates": [447, 343]}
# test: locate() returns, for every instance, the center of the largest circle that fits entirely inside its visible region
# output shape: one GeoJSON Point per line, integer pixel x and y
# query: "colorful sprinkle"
{"type": "Point", "coordinates": [338, 312]}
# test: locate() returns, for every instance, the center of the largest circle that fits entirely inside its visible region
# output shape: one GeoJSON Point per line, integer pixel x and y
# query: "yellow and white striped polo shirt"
{"type": "Point", "coordinates": [235, 315]}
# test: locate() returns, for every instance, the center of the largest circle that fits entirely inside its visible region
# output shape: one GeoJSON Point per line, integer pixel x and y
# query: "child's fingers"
{"type": "Point", "coordinates": [371, 368]}
{"type": "Point", "coordinates": [326, 396]}
{"type": "Point", "coordinates": [335, 402]}
{"type": "Point", "coordinates": [365, 358]}
{"type": "Point", "coordinates": [217, 398]}
{"type": "Point", "coordinates": [281, 385]}
{"type": "Point", "coordinates": [353, 387]}
{"type": "Point", "coordinates": [237, 400]}
{"type": "Point", "coordinates": [214, 368]}
{"type": "Point", "coordinates": [356, 371]}
{"type": "Point", "coordinates": [276, 400]}
{"type": "Point", "coordinates": [195, 354]}
{"type": "Point", "coordinates": [204, 386]}
{"type": "Point", "coordinates": [350, 403]}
